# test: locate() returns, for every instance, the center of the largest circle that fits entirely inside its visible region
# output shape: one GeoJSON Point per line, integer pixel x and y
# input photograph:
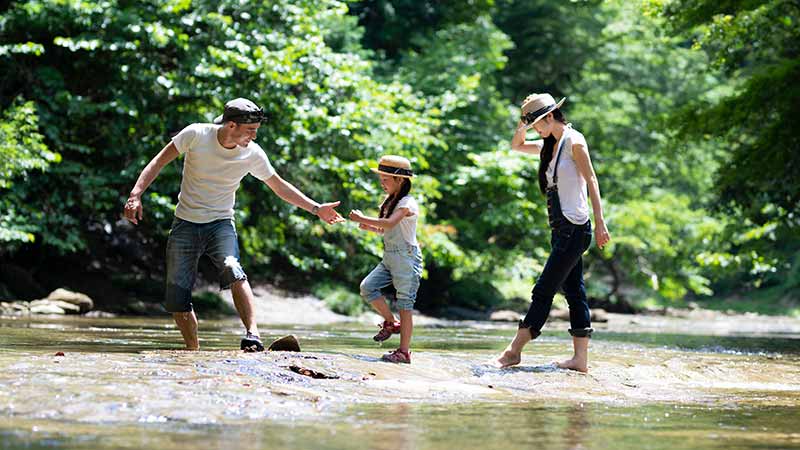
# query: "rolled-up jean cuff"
{"type": "Point", "coordinates": [534, 333]}
{"type": "Point", "coordinates": [370, 297]}
{"type": "Point", "coordinates": [581, 332]}
{"type": "Point", "coordinates": [227, 282]}
{"type": "Point", "coordinates": [405, 304]}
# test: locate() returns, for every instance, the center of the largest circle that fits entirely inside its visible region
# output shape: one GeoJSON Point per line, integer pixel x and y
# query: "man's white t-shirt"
{"type": "Point", "coordinates": [571, 184]}
{"type": "Point", "coordinates": [212, 173]}
{"type": "Point", "coordinates": [408, 225]}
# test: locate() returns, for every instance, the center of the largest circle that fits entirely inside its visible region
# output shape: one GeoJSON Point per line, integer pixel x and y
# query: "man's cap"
{"type": "Point", "coordinates": [241, 110]}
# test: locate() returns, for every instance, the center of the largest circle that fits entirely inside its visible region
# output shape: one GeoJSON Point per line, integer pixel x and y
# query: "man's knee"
{"type": "Point", "coordinates": [232, 277]}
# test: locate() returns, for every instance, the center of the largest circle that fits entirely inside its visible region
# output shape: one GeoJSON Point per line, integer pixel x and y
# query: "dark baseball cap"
{"type": "Point", "coordinates": [241, 110]}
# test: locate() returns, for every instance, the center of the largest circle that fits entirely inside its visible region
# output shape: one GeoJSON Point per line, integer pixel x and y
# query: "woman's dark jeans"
{"type": "Point", "coordinates": [564, 268]}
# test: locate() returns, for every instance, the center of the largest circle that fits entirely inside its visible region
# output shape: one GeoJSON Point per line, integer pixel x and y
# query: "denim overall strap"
{"type": "Point", "coordinates": [558, 158]}
{"type": "Point", "coordinates": [554, 215]}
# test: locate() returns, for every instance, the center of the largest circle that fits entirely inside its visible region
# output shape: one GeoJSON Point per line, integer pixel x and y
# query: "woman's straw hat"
{"type": "Point", "coordinates": [396, 166]}
{"type": "Point", "coordinates": [536, 106]}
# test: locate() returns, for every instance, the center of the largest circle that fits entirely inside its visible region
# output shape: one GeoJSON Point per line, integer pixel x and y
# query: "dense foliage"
{"type": "Point", "coordinates": [682, 131]}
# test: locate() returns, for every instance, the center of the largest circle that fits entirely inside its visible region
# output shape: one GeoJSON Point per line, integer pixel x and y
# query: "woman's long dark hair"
{"type": "Point", "coordinates": [547, 151]}
{"type": "Point", "coordinates": [390, 202]}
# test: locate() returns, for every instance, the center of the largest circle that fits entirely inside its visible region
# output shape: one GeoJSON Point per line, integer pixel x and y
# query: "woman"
{"type": "Point", "coordinates": [565, 172]}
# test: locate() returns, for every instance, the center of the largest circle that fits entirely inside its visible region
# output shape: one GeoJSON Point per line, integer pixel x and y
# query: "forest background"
{"type": "Point", "coordinates": [689, 108]}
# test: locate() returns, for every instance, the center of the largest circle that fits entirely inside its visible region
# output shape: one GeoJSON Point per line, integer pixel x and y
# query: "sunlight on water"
{"type": "Point", "coordinates": [123, 383]}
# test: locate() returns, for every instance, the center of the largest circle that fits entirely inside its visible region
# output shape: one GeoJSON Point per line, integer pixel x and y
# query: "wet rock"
{"type": "Point", "coordinates": [68, 308]}
{"type": "Point", "coordinates": [285, 344]}
{"type": "Point", "coordinates": [676, 312]}
{"type": "Point", "coordinates": [17, 308]}
{"type": "Point", "coordinates": [505, 315]}
{"type": "Point", "coordinates": [559, 314]}
{"type": "Point", "coordinates": [599, 315]}
{"type": "Point", "coordinates": [654, 311]}
{"type": "Point", "coordinates": [312, 373]}
{"type": "Point", "coordinates": [45, 307]}
{"type": "Point", "coordinates": [83, 301]}
{"type": "Point", "coordinates": [100, 314]}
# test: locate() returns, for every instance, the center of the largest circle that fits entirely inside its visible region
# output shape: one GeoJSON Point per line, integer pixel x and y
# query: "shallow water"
{"type": "Point", "coordinates": [122, 383]}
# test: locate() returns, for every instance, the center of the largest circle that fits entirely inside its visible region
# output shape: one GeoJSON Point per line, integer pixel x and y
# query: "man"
{"type": "Point", "coordinates": [217, 157]}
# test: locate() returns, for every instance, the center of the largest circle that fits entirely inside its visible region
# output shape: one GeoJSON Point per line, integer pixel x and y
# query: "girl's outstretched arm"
{"type": "Point", "coordinates": [364, 226]}
{"type": "Point", "coordinates": [384, 224]}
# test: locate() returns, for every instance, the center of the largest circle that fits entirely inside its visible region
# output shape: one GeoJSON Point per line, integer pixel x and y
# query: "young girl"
{"type": "Point", "coordinates": [401, 265]}
{"type": "Point", "coordinates": [565, 175]}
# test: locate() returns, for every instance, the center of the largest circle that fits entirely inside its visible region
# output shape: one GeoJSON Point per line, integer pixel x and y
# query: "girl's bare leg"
{"type": "Point", "coordinates": [406, 328]}
{"type": "Point", "coordinates": [382, 308]}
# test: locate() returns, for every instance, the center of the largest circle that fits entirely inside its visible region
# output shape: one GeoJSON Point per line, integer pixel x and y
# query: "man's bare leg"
{"type": "Point", "coordinates": [512, 355]}
{"type": "Point", "coordinates": [579, 361]}
{"type": "Point", "coordinates": [187, 323]}
{"type": "Point", "coordinates": [243, 300]}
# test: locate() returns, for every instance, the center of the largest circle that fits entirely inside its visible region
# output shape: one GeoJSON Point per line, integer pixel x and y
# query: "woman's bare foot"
{"type": "Point", "coordinates": [580, 358]}
{"type": "Point", "coordinates": [508, 358]}
{"type": "Point", "coordinates": [574, 364]}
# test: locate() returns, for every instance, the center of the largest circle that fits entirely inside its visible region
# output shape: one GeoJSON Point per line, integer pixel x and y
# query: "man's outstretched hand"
{"type": "Point", "coordinates": [327, 212]}
{"type": "Point", "coordinates": [133, 209]}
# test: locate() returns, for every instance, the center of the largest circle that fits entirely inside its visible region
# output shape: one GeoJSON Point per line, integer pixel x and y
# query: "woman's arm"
{"type": "Point", "coordinates": [581, 156]}
{"type": "Point", "coordinates": [519, 143]}
{"type": "Point", "coordinates": [384, 224]}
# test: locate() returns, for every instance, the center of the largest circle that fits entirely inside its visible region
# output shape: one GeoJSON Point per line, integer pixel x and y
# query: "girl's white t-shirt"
{"type": "Point", "coordinates": [408, 225]}
{"type": "Point", "coordinates": [571, 184]}
{"type": "Point", "coordinates": [212, 173]}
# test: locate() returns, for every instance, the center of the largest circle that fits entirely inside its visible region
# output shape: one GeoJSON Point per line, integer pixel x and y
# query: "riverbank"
{"type": "Point", "coordinates": [278, 306]}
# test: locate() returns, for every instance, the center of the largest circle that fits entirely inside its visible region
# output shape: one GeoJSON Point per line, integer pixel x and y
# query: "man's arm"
{"type": "Point", "coordinates": [292, 195]}
{"type": "Point", "coordinates": [133, 207]}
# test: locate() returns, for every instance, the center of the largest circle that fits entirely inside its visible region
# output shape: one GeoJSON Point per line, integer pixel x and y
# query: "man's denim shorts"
{"type": "Point", "coordinates": [187, 242]}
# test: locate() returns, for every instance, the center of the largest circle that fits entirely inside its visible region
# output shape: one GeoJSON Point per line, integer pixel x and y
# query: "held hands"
{"type": "Point", "coordinates": [327, 212]}
{"type": "Point", "coordinates": [601, 235]}
{"type": "Point", "coordinates": [133, 209]}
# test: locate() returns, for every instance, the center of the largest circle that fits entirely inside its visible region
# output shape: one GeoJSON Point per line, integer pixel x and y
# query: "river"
{"type": "Point", "coordinates": [654, 383]}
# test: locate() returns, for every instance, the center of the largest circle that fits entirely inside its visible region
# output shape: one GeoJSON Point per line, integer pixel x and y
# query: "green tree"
{"type": "Point", "coordinates": [113, 81]}
{"type": "Point", "coordinates": [22, 151]}
{"type": "Point", "coordinates": [757, 43]}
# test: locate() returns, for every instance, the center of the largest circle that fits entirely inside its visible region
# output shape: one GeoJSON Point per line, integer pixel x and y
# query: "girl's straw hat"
{"type": "Point", "coordinates": [396, 166]}
{"type": "Point", "coordinates": [536, 106]}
